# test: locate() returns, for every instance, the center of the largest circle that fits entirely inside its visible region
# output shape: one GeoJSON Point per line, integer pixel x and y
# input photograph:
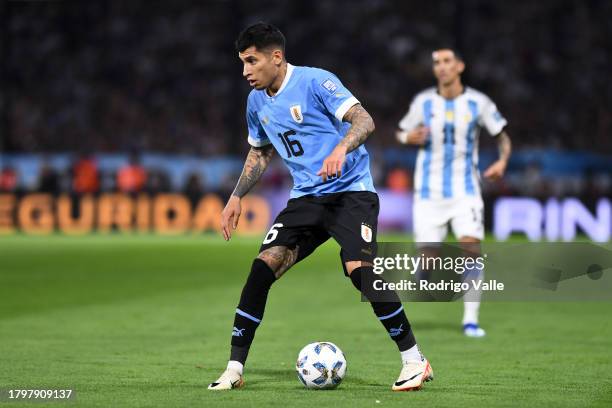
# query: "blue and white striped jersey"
{"type": "Point", "coordinates": [447, 165]}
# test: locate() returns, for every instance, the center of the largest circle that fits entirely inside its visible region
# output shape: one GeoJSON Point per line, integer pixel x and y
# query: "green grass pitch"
{"type": "Point", "coordinates": [146, 321]}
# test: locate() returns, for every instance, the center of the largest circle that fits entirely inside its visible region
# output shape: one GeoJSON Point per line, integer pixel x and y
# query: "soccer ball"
{"type": "Point", "coordinates": [321, 365]}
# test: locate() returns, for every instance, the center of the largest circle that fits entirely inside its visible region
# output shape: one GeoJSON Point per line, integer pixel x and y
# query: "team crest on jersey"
{"type": "Point", "coordinates": [296, 113]}
{"type": "Point", "coordinates": [330, 86]}
{"type": "Point", "coordinates": [366, 232]}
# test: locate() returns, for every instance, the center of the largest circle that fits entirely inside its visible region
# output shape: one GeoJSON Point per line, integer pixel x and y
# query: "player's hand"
{"type": "Point", "coordinates": [332, 165]}
{"type": "Point", "coordinates": [230, 216]}
{"type": "Point", "coordinates": [496, 170]}
{"type": "Point", "coordinates": [417, 136]}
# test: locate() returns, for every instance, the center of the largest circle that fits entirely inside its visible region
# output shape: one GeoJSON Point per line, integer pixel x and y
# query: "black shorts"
{"type": "Point", "coordinates": [307, 222]}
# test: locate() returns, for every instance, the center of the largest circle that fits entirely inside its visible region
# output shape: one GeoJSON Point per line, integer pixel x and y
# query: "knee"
{"type": "Point", "coordinates": [470, 246]}
{"type": "Point", "coordinates": [352, 265]}
{"type": "Point", "coordinates": [270, 261]}
{"type": "Point", "coordinates": [278, 259]}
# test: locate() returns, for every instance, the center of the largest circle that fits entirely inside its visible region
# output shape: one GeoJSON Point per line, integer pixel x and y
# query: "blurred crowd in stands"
{"type": "Point", "coordinates": [138, 76]}
{"type": "Point", "coordinates": [588, 177]}
{"type": "Point", "coordinates": [84, 177]}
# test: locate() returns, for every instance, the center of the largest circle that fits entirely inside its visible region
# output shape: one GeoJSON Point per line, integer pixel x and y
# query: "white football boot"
{"type": "Point", "coordinates": [413, 375]}
{"type": "Point", "coordinates": [230, 379]}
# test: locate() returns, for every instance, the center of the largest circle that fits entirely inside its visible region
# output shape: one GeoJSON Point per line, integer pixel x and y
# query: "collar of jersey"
{"type": "Point", "coordinates": [465, 89]}
{"type": "Point", "coordinates": [285, 81]}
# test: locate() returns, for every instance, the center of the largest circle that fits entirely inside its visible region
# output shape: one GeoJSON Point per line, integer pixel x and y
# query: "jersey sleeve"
{"type": "Point", "coordinates": [412, 118]}
{"type": "Point", "coordinates": [491, 119]}
{"type": "Point", "coordinates": [257, 136]}
{"type": "Point", "coordinates": [334, 96]}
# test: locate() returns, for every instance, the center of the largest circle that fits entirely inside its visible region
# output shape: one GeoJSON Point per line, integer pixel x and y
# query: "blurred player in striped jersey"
{"type": "Point", "coordinates": [445, 122]}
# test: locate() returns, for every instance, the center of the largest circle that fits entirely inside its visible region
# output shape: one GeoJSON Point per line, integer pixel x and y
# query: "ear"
{"type": "Point", "coordinates": [277, 57]}
{"type": "Point", "coordinates": [461, 67]}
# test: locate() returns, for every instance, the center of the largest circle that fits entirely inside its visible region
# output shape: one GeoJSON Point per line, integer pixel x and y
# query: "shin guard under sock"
{"type": "Point", "coordinates": [390, 312]}
{"type": "Point", "coordinates": [250, 310]}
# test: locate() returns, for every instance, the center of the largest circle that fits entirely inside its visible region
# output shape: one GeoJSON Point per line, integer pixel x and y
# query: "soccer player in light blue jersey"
{"type": "Point", "coordinates": [318, 128]}
{"type": "Point", "coordinates": [445, 122]}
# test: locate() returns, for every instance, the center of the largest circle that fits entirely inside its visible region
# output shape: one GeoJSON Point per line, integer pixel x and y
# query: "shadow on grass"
{"type": "Point", "coordinates": [268, 378]}
{"type": "Point", "coordinates": [284, 381]}
{"type": "Point", "coordinates": [454, 327]}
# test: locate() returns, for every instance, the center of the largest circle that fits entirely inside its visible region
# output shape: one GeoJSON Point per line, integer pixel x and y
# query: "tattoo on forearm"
{"type": "Point", "coordinates": [504, 146]}
{"type": "Point", "coordinates": [254, 166]}
{"type": "Point", "coordinates": [362, 125]}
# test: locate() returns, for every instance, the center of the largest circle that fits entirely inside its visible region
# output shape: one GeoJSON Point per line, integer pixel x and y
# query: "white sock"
{"type": "Point", "coordinates": [470, 312]}
{"type": "Point", "coordinates": [235, 366]}
{"type": "Point", "coordinates": [412, 354]}
{"type": "Point", "coordinates": [472, 304]}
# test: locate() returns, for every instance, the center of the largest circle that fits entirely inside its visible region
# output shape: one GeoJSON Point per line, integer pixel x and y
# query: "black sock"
{"type": "Point", "coordinates": [390, 313]}
{"type": "Point", "coordinates": [250, 310]}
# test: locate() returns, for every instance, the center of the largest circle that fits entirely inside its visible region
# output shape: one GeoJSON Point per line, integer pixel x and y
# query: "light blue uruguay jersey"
{"type": "Point", "coordinates": [304, 123]}
{"type": "Point", "coordinates": [447, 165]}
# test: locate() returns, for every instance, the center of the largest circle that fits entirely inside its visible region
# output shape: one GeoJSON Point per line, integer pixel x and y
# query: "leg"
{"type": "Point", "coordinates": [279, 259]}
{"type": "Point", "coordinates": [269, 265]}
{"type": "Point", "coordinates": [468, 227]}
{"type": "Point", "coordinates": [390, 312]}
{"type": "Point", "coordinates": [291, 239]}
{"type": "Point", "coordinates": [430, 221]}
{"type": "Point", "coordinates": [356, 219]}
{"type": "Point", "coordinates": [354, 228]}
{"type": "Point", "coordinates": [415, 368]}
{"type": "Point", "coordinates": [429, 250]}
{"type": "Point", "coordinates": [471, 302]}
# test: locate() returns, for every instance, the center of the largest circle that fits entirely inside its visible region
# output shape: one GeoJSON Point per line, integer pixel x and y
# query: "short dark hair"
{"type": "Point", "coordinates": [458, 55]}
{"type": "Point", "coordinates": [261, 35]}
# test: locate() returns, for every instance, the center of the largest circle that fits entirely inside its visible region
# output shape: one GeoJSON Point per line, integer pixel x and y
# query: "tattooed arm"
{"type": "Point", "coordinates": [504, 145]}
{"type": "Point", "coordinates": [497, 169]}
{"type": "Point", "coordinates": [254, 166]}
{"type": "Point", "coordinates": [362, 125]}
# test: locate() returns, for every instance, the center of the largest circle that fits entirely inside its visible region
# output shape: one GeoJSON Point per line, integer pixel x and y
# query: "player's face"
{"type": "Point", "coordinates": [446, 66]}
{"type": "Point", "coordinates": [260, 68]}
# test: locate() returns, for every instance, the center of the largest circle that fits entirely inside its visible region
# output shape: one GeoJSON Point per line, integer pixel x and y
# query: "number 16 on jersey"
{"type": "Point", "coordinates": [293, 147]}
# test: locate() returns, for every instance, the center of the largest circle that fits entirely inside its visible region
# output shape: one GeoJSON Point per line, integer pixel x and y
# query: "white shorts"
{"type": "Point", "coordinates": [431, 218]}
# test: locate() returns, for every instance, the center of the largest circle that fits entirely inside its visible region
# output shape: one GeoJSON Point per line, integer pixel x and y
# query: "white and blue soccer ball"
{"type": "Point", "coordinates": [321, 365]}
